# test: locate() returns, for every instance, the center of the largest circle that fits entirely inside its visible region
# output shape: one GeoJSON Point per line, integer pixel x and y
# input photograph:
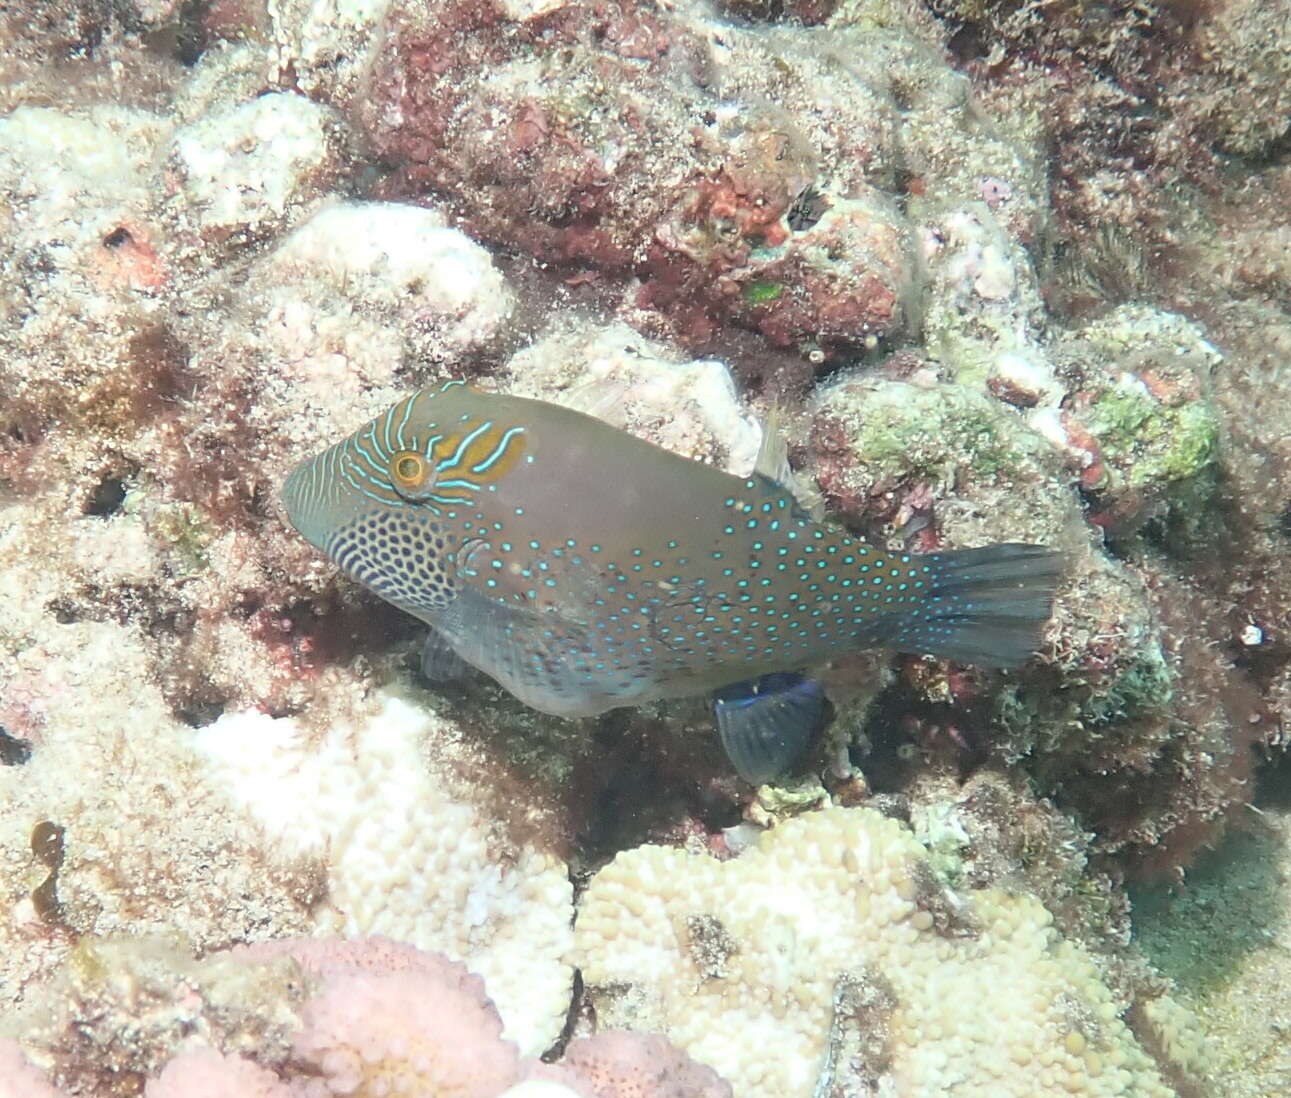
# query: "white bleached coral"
{"type": "Point", "coordinates": [836, 916]}
{"type": "Point", "coordinates": [404, 263]}
{"type": "Point", "coordinates": [346, 302]}
{"type": "Point", "coordinates": [56, 160]}
{"type": "Point", "coordinates": [405, 858]}
{"type": "Point", "coordinates": [68, 183]}
{"type": "Point", "coordinates": [249, 169]}
{"type": "Point", "coordinates": [137, 842]}
{"type": "Point", "coordinates": [325, 45]}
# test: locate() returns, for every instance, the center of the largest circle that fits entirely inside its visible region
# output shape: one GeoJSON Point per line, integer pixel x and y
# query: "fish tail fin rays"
{"type": "Point", "coordinates": [766, 725]}
{"type": "Point", "coordinates": [984, 606]}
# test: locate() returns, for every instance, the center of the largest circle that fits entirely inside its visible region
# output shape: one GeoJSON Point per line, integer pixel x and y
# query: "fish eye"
{"type": "Point", "coordinates": [409, 472]}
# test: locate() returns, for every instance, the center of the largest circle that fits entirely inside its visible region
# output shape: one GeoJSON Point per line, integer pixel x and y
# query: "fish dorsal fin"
{"type": "Point", "coordinates": [772, 464]}
{"type": "Point", "coordinates": [603, 398]}
{"type": "Point", "coordinates": [773, 454]}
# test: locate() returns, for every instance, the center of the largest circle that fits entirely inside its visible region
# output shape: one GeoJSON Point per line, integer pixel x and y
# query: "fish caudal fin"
{"type": "Point", "coordinates": [983, 606]}
{"type": "Point", "coordinates": [766, 725]}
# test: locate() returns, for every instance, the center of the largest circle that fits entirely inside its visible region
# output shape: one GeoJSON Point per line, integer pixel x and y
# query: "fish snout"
{"type": "Point", "coordinates": [314, 500]}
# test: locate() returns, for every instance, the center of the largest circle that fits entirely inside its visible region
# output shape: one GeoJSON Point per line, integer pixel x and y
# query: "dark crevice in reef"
{"type": "Point", "coordinates": [185, 38]}
{"type": "Point", "coordinates": [201, 711]}
{"type": "Point", "coordinates": [1273, 783]}
{"type": "Point", "coordinates": [907, 733]}
{"type": "Point", "coordinates": [13, 751]}
{"type": "Point", "coordinates": [191, 36]}
{"type": "Point", "coordinates": [1284, 521]}
{"type": "Point", "coordinates": [107, 497]}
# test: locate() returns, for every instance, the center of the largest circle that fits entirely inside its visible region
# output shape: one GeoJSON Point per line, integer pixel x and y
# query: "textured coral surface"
{"type": "Point", "coordinates": [309, 1018]}
{"type": "Point", "coordinates": [993, 271]}
{"type": "Point", "coordinates": [837, 914]}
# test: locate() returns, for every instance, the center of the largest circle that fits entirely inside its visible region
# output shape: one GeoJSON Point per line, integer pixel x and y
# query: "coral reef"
{"type": "Point", "coordinates": [614, 373]}
{"type": "Point", "coordinates": [111, 828]}
{"type": "Point", "coordinates": [837, 914]}
{"type": "Point", "coordinates": [307, 1017]}
{"type": "Point", "coordinates": [1147, 430]}
{"type": "Point", "coordinates": [756, 184]}
{"type": "Point", "coordinates": [204, 1073]}
{"type": "Point", "coordinates": [1224, 943]}
{"type": "Point", "coordinates": [997, 271]}
{"type": "Point", "coordinates": [249, 172]}
{"type": "Point", "coordinates": [18, 1078]}
{"type": "Point", "coordinates": [403, 857]}
{"type": "Point", "coordinates": [622, 1064]}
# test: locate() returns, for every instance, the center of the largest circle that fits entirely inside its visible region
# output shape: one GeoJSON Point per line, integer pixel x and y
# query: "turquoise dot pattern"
{"type": "Point", "coordinates": [585, 568]}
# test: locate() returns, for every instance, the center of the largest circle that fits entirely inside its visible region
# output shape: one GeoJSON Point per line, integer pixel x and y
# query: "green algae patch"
{"type": "Point", "coordinates": [188, 533]}
{"type": "Point", "coordinates": [905, 430]}
{"type": "Point", "coordinates": [1154, 423]}
{"type": "Point", "coordinates": [1130, 706]}
{"type": "Point", "coordinates": [762, 293]}
{"type": "Point", "coordinates": [1148, 442]}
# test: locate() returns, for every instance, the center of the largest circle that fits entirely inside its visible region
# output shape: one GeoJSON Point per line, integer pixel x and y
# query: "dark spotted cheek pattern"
{"type": "Point", "coordinates": [401, 555]}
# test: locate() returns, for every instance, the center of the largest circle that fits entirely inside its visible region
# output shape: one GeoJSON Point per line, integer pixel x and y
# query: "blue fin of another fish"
{"type": "Point", "coordinates": [440, 662]}
{"type": "Point", "coordinates": [767, 724]}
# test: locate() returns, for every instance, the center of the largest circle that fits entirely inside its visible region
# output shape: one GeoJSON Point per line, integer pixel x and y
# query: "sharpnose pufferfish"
{"type": "Point", "coordinates": [585, 569]}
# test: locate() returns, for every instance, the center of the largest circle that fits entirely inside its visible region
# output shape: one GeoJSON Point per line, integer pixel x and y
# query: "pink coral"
{"type": "Point", "coordinates": [204, 1073]}
{"type": "Point", "coordinates": [313, 1018]}
{"type": "Point", "coordinates": [620, 1064]}
{"type": "Point", "coordinates": [387, 1018]}
{"type": "Point", "coordinates": [18, 1079]}
{"type": "Point", "coordinates": [390, 1034]}
{"type": "Point", "coordinates": [390, 1019]}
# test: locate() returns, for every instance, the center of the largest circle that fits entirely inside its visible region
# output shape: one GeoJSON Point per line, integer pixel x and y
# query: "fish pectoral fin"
{"type": "Point", "coordinates": [766, 725]}
{"type": "Point", "coordinates": [541, 657]}
{"type": "Point", "coordinates": [440, 662]}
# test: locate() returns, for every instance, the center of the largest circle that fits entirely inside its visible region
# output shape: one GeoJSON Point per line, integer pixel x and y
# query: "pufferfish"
{"type": "Point", "coordinates": [585, 569]}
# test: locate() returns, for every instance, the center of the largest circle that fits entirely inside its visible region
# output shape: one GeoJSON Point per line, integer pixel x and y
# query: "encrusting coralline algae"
{"type": "Point", "coordinates": [996, 277]}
